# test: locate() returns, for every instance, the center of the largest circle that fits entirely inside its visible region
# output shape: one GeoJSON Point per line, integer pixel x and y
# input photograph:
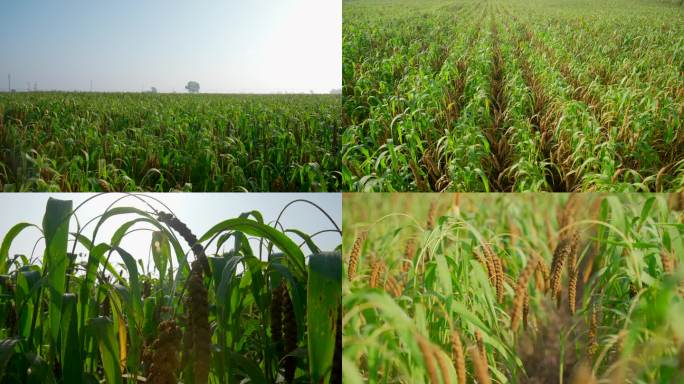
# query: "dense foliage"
{"type": "Point", "coordinates": [513, 96]}
{"type": "Point", "coordinates": [151, 142]}
{"type": "Point", "coordinates": [252, 309]}
{"type": "Point", "coordinates": [513, 289]}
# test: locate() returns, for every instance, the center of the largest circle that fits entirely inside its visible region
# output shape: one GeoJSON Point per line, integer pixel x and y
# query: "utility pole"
{"type": "Point", "coordinates": [9, 83]}
{"type": "Point", "coordinates": [91, 86]}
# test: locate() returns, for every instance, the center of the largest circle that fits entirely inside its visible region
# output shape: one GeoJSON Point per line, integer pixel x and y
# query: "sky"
{"type": "Point", "coordinates": [199, 211]}
{"type": "Point", "coordinates": [231, 46]}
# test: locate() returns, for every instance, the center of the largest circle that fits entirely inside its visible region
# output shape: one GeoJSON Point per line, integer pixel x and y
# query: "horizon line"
{"type": "Point", "coordinates": [331, 92]}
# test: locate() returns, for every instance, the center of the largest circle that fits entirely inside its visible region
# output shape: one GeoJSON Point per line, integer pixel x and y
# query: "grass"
{"type": "Point", "coordinates": [476, 96]}
{"type": "Point", "coordinates": [621, 320]}
{"type": "Point", "coordinates": [135, 142]}
{"type": "Point", "coordinates": [237, 312]}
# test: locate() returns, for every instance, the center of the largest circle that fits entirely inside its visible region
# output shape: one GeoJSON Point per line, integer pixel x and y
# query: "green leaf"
{"type": "Point", "coordinates": [295, 256]}
{"type": "Point", "coordinates": [351, 373]}
{"type": "Point", "coordinates": [180, 254]}
{"type": "Point", "coordinates": [7, 241]}
{"type": "Point", "coordinates": [102, 330]}
{"type": "Point", "coordinates": [56, 230]}
{"type": "Point", "coordinates": [6, 352]}
{"type": "Point", "coordinates": [161, 252]}
{"type": "Point", "coordinates": [29, 282]}
{"type": "Point", "coordinates": [72, 362]}
{"type": "Point", "coordinates": [324, 291]}
{"type": "Point", "coordinates": [307, 239]}
{"type": "Point", "coordinates": [646, 210]}
{"type": "Point", "coordinates": [247, 367]}
{"type": "Point", "coordinates": [149, 323]}
{"type": "Point", "coordinates": [133, 308]}
{"type": "Point", "coordinates": [223, 291]}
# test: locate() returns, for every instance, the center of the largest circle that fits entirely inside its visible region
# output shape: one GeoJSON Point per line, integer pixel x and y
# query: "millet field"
{"type": "Point", "coordinates": [73, 142]}
{"type": "Point", "coordinates": [475, 96]}
{"type": "Point", "coordinates": [554, 288]}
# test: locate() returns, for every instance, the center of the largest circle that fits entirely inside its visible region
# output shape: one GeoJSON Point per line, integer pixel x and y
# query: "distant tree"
{"type": "Point", "coordinates": [193, 87]}
{"type": "Point", "coordinates": [153, 90]}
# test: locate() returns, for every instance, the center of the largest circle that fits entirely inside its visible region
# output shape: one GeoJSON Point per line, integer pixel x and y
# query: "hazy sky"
{"type": "Point", "coordinates": [128, 45]}
{"type": "Point", "coordinates": [200, 211]}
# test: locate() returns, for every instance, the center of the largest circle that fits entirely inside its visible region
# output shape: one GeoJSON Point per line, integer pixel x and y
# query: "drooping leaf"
{"type": "Point", "coordinates": [253, 228]}
{"type": "Point", "coordinates": [7, 241]}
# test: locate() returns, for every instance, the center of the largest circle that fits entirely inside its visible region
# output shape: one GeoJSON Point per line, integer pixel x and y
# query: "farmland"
{"type": "Point", "coordinates": [239, 303]}
{"type": "Point", "coordinates": [540, 288]}
{"type": "Point", "coordinates": [134, 142]}
{"type": "Point", "coordinates": [476, 96]}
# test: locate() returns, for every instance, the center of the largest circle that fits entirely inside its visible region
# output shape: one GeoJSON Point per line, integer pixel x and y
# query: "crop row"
{"type": "Point", "coordinates": [526, 105]}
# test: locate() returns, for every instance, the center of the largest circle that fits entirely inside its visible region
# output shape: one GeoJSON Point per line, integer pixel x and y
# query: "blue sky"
{"type": "Point", "coordinates": [128, 45]}
{"type": "Point", "coordinates": [200, 211]}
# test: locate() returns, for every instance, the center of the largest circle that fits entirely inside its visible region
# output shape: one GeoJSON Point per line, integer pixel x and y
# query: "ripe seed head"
{"type": "Point", "coordinates": [190, 238]}
{"type": "Point", "coordinates": [667, 261]}
{"type": "Point", "coordinates": [459, 358]}
{"type": "Point", "coordinates": [526, 310]}
{"type": "Point", "coordinates": [277, 318]}
{"type": "Point", "coordinates": [499, 279]}
{"type": "Point", "coordinates": [521, 291]}
{"type": "Point", "coordinates": [442, 362]}
{"type": "Point", "coordinates": [164, 354]}
{"type": "Point", "coordinates": [393, 287]}
{"type": "Point", "coordinates": [566, 246]}
{"type": "Point", "coordinates": [428, 357]}
{"type": "Point", "coordinates": [480, 345]}
{"type": "Point", "coordinates": [354, 255]}
{"type": "Point", "coordinates": [480, 366]}
{"type": "Point", "coordinates": [431, 215]}
{"type": "Point", "coordinates": [409, 254]}
{"type": "Point", "coordinates": [200, 331]}
{"type": "Point", "coordinates": [593, 332]}
{"type": "Point", "coordinates": [376, 270]}
{"type": "Point", "coordinates": [290, 336]}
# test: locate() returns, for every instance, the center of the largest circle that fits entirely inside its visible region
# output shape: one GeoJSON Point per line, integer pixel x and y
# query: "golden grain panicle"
{"type": "Point", "coordinates": [355, 254]}
{"type": "Point", "coordinates": [428, 357]}
{"type": "Point", "coordinates": [378, 267]}
{"type": "Point", "coordinates": [432, 214]}
{"type": "Point", "coordinates": [521, 291]}
{"type": "Point", "coordinates": [459, 358]}
{"type": "Point", "coordinates": [409, 254]}
{"type": "Point", "coordinates": [593, 331]}
{"type": "Point", "coordinates": [479, 365]}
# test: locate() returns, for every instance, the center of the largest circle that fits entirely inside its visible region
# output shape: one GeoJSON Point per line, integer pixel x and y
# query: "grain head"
{"type": "Point", "coordinates": [354, 255]}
